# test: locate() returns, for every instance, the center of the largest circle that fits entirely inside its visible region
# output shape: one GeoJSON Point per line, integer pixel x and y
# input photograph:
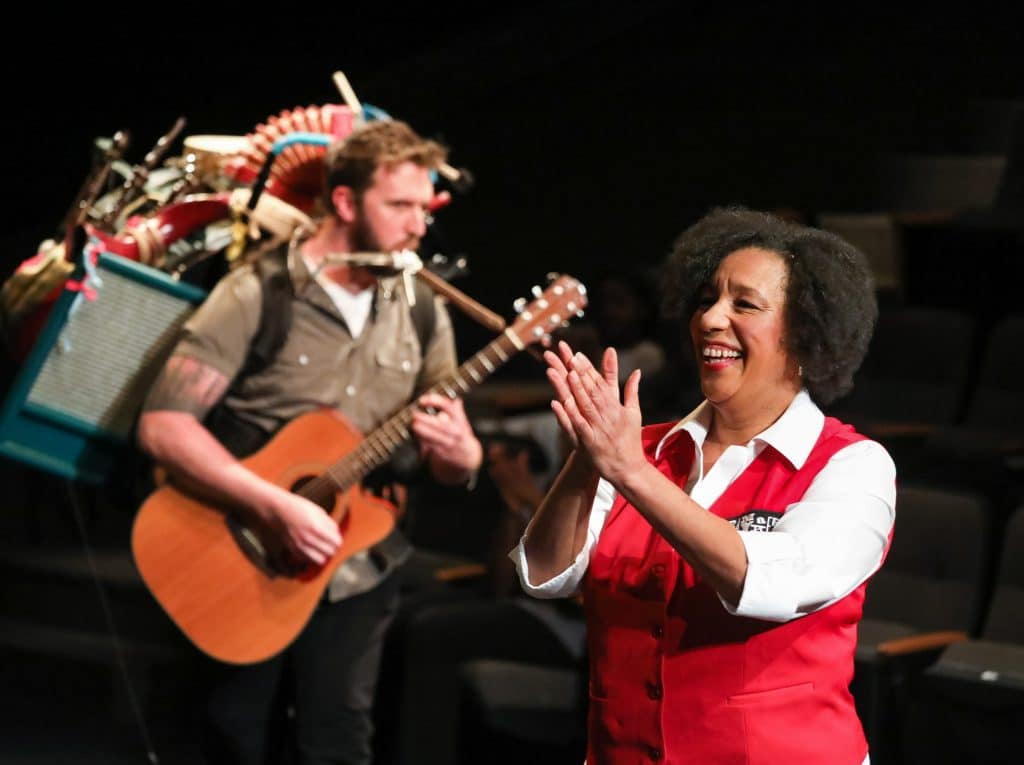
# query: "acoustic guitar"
{"type": "Point", "coordinates": [215, 572]}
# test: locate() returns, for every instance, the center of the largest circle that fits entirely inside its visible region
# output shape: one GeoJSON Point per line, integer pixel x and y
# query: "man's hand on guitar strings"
{"type": "Point", "coordinates": [306, 529]}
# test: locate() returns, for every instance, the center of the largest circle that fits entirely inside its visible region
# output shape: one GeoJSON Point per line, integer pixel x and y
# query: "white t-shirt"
{"type": "Point", "coordinates": [354, 307]}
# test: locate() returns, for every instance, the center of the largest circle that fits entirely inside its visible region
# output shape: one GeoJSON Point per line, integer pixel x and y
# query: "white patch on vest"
{"type": "Point", "coordinates": [756, 520]}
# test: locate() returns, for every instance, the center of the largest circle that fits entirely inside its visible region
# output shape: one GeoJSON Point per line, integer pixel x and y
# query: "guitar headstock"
{"type": "Point", "coordinates": [551, 309]}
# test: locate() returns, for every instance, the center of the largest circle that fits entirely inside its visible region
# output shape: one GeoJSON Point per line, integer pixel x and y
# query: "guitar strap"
{"type": "Point", "coordinates": [240, 437]}
{"type": "Point", "coordinates": [276, 311]}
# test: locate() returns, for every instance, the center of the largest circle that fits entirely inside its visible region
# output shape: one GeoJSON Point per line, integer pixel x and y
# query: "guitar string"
{"type": "Point", "coordinates": [378, 447]}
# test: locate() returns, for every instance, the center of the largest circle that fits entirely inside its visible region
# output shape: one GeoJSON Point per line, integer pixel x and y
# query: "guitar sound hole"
{"type": "Point", "coordinates": [319, 494]}
{"type": "Point", "coordinates": [266, 554]}
{"type": "Point", "coordinates": [249, 542]}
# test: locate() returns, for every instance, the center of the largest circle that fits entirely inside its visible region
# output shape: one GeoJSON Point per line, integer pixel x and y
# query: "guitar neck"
{"type": "Point", "coordinates": [378, 447]}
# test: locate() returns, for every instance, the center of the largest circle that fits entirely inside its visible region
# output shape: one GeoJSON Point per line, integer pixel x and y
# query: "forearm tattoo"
{"type": "Point", "coordinates": [186, 385]}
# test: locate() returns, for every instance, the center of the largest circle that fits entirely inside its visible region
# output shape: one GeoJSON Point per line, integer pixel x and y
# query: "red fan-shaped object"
{"type": "Point", "coordinates": [296, 176]}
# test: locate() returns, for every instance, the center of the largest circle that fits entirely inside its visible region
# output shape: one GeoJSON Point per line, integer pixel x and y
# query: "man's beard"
{"type": "Point", "coordinates": [365, 240]}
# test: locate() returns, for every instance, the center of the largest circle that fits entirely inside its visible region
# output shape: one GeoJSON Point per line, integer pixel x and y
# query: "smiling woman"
{"type": "Point", "coordinates": [723, 559]}
{"type": "Point", "coordinates": [829, 297]}
{"type": "Point", "coordinates": [738, 332]}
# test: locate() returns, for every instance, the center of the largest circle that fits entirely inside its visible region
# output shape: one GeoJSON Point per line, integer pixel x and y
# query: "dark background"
{"type": "Point", "coordinates": [596, 131]}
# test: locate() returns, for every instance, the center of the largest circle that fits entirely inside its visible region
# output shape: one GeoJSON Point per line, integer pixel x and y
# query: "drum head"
{"type": "Point", "coordinates": [211, 150]}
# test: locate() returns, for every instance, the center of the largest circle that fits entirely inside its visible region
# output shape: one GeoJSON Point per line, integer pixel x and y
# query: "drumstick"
{"type": "Point", "coordinates": [137, 181]}
{"type": "Point", "coordinates": [461, 179]}
{"type": "Point", "coordinates": [474, 310]}
{"type": "Point", "coordinates": [342, 83]}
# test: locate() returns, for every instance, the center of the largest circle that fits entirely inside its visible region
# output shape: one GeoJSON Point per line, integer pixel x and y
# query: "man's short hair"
{"type": "Point", "coordinates": [383, 143]}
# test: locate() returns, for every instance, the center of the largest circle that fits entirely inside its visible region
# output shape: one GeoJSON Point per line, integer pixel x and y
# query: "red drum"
{"type": "Point", "coordinates": [146, 239]}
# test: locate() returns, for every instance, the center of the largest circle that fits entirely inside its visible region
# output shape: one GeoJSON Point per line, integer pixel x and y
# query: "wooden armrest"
{"type": "Point", "coordinates": [918, 643]}
{"type": "Point", "coordinates": [462, 571]}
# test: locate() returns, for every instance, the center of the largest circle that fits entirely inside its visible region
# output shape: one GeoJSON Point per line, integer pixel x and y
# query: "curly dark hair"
{"type": "Point", "coordinates": [831, 306]}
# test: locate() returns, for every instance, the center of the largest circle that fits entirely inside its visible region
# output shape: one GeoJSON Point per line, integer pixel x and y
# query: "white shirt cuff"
{"type": "Point", "coordinates": [562, 585]}
{"type": "Point", "coordinates": [768, 591]}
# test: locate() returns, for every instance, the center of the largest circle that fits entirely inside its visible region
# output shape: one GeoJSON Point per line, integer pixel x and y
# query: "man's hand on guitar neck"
{"type": "Point", "coordinates": [447, 438]}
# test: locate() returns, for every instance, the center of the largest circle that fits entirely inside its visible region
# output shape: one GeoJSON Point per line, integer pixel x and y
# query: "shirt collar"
{"type": "Point", "coordinates": [793, 435]}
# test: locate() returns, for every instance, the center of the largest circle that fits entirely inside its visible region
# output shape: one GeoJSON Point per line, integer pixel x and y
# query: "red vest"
{"type": "Point", "coordinates": [676, 678]}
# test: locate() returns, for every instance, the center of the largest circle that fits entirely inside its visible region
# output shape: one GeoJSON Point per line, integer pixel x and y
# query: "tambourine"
{"type": "Point", "coordinates": [208, 153]}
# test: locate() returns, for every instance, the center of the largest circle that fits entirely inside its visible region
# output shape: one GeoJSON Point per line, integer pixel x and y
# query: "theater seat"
{"type": "Point", "coordinates": [926, 596]}
{"type": "Point", "coordinates": [969, 705]}
{"type": "Point", "coordinates": [523, 713]}
{"type": "Point", "coordinates": [902, 389]}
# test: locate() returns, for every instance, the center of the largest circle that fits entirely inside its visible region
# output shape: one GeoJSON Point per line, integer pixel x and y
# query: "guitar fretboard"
{"type": "Point", "coordinates": [378, 447]}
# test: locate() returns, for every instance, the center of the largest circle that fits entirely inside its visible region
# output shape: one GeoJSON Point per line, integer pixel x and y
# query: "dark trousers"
{"type": "Point", "coordinates": [311, 704]}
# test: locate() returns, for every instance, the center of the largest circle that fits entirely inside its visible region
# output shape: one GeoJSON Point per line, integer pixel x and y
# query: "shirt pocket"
{"type": "Point", "coordinates": [784, 695]}
{"type": "Point", "coordinates": [398, 359]}
{"type": "Point", "coordinates": [397, 367]}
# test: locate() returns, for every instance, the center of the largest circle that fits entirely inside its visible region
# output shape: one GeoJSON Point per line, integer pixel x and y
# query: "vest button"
{"type": "Point", "coordinates": [657, 631]}
{"type": "Point", "coordinates": [654, 753]}
{"type": "Point", "coordinates": [654, 691]}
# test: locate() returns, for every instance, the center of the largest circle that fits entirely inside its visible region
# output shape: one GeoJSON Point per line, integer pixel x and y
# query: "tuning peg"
{"type": "Point", "coordinates": [551, 276]}
{"type": "Point", "coordinates": [565, 324]}
{"type": "Point", "coordinates": [537, 291]}
{"type": "Point", "coordinates": [579, 314]}
{"type": "Point", "coordinates": [519, 305]}
{"type": "Point", "coordinates": [556, 319]}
